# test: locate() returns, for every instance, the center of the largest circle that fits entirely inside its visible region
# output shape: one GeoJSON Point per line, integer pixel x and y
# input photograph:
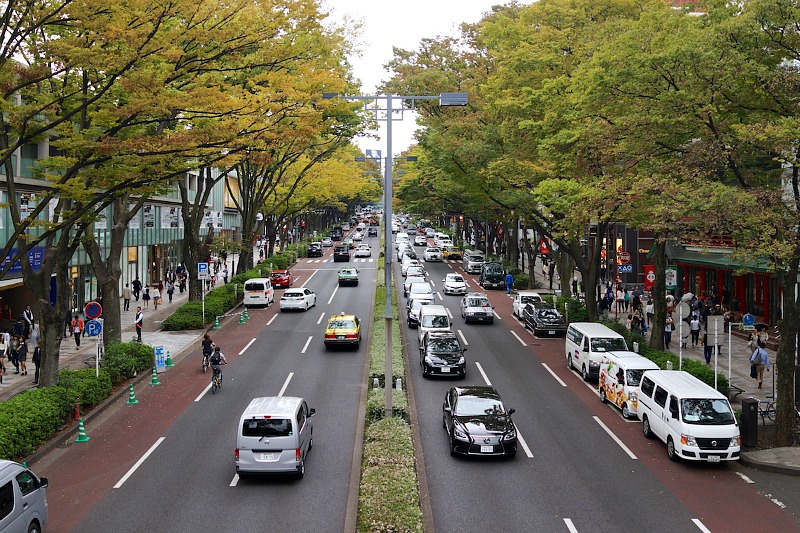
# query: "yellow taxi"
{"type": "Point", "coordinates": [451, 252]}
{"type": "Point", "coordinates": [343, 330]}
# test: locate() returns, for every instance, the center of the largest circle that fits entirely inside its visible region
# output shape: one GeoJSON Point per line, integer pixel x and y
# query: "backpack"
{"type": "Point", "coordinates": [215, 358]}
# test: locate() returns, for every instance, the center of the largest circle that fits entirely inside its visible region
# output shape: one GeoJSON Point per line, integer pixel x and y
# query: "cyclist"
{"type": "Point", "coordinates": [217, 359]}
{"type": "Point", "coordinates": [208, 347]}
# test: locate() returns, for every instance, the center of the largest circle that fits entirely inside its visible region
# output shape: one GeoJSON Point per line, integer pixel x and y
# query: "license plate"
{"type": "Point", "coordinates": [267, 456]}
{"type": "Point", "coordinates": [551, 332]}
{"type": "Point", "coordinates": [713, 458]}
{"type": "Point", "coordinates": [445, 370]}
{"type": "Point", "coordinates": [340, 336]}
{"type": "Point", "coordinates": [487, 449]}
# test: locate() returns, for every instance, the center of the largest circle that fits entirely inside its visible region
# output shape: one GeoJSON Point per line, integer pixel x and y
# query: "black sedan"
{"type": "Point", "coordinates": [477, 423]}
{"type": "Point", "coordinates": [341, 253]}
{"type": "Point", "coordinates": [543, 318]}
{"type": "Point", "coordinates": [441, 354]}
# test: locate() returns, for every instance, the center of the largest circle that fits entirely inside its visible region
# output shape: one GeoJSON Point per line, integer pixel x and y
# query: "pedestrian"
{"type": "Point", "coordinates": [14, 352]}
{"type": "Point", "coordinates": [146, 297]}
{"type": "Point", "coordinates": [668, 326]}
{"type": "Point", "coordinates": [649, 311]}
{"type": "Point", "coordinates": [629, 322]}
{"type": "Point", "coordinates": [708, 347]}
{"type": "Point", "coordinates": [225, 274]}
{"type": "Point", "coordinates": [18, 328]}
{"type": "Point", "coordinates": [182, 282]}
{"type": "Point", "coordinates": [170, 289]}
{"type": "Point", "coordinates": [509, 282]}
{"type": "Point", "coordinates": [156, 297]}
{"type": "Point", "coordinates": [37, 352]}
{"type": "Point", "coordinates": [27, 325]}
{"type": "Point", "coordinates": [22, 356]}
{"type": "Point", "coordinates": [637, 302]}
{"type": "Point", "coordinates": [3, 350]}
{"type": "Point", "coordinates": [126, 298]}
{"type": "Point", "coordinates": [137, 288]}
{"type": "Point", "coordinates": [68, 323]}
{"type": "Point", "coordinates": [160, 287]}
{"type": "Point", "coordinates": [139, 322]}
{"type": "Point", "coordinates": [620, 299]}
{"type": "Point", "coordinates": [761, 361]}
{"type": "Point", "coordinates": [694, 329]}
{"type": "Point", "coordinates": [77, 329]}
{"type": "Point", "coordinates": [626, 297]}
{"type": "Point", "coordinates": [575, 286]}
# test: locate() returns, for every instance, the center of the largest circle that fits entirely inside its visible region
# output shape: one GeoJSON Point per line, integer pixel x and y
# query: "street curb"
{"type": "Point", "coordinates": [768, 467]}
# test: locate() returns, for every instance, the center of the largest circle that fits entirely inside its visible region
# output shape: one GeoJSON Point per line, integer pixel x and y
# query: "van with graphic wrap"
{"type": "Point", "coordinates": [620, 376]}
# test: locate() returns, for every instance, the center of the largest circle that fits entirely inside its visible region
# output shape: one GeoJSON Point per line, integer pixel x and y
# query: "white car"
{"type": "Point", "coordinates": [475, 307]}
{"type": "Point", "coordinates": [327, 242]}
{"type": "Point", "coordinates": [301, 298]}
{"type": "Point", "coordinates": [454, 284]}
{"type": "Point", "coordinates": [416, 271]}
{"type": "Point", "coordinates": [523, 298]}
{"type": "Point", "coordinates": [363, 250]}
{"type": "Point", "coordinates": [358, 236]}
{"type": "Point", "coordinates": [346, 226]}
{"type": "Point", "coordinates": [408, 262]}
{"type": "Point", "coordinates": [412, 279]}
{"type": "Point", "coordinates": [401, 238]}
{"type": "Point", "coordinates": [432, 254]}
{"type": "Point", "coordinates": [421, 291]}
{"type": "Point", "coordinates": [420, 240]}
{"type": "Point", "coordinates": [430, 232]}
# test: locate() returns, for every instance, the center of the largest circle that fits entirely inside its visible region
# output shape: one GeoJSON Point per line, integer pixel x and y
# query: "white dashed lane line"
{"type": "Point", "coordinates": [286, 383]}
{"type": "Point", "coordinates": [463, 339]}
{"type": "Point", "coordinates": [321, 317]}
{"type": "Point", "coordinates": [700, 526]}
{"type": "Point", "coordinates": [561, 381]}
{"type": "Point", "coordinates": [485, 377]}
{"type": "Point", "coordinates": [139, 463]}
{"type": "Point", "coordinates": [616, 439]}
{"type": "Point", "coordinates": [248, 345]}
{"type": "Point", "coordinates": [306, 345]}
{"type": "Point", "coordinates": [570, 526]}
{"type": "Point", "coordinates": [272, 319]}
{"type": "Point", "coordinates": [522, 342]}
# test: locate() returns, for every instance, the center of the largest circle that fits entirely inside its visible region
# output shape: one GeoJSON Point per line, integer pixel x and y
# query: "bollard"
{"type": "Point", "coordinates": [669, 365]}
{"type": "Point", "coordinates": [399, 384]}
{"type": "Point", "coordinates": [155, 378]}
{"type": "Point", "coordinates": [132, 396]}
{"type": "Point", "coordinates": [216, 322]}
{"type": "Point", "coordinates": [376, 384]}
{"type": "Point", "coordinates": [169, 359]}
{"type": "Point", "coordinates": [246, 314]}
{"type": "Point", "coordinates": [81, 432]}
{"type": "Point", "coordinates": [635, 346]}
{"type": "Point", "coordinates": [77, 415]}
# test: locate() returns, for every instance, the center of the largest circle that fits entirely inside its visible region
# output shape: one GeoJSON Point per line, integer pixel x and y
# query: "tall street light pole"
{"type": "Point", "coordinates": [386, 114]}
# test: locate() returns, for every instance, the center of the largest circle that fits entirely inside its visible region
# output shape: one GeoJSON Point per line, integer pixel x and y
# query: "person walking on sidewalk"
{"type": "Point", "coordinates": [694, 329]}
{"type": "Point", "coordinates": [761, 361]}
{"type": "Point", "coordinates": [22, 356]}
{"type": "Point", "coordinates": [126, 298]}
{"type": "Point", "coordinates": [225, 274]}
{"type": "Point", "coordinates": [139, 322]}
{"type": "Point", "coordinates": [137, 288]}
{"type": "Point", "coordinates": [170, 289]}
{"type": "Point", "coordinates": [37, 352]}
{"type": "Point", "coordinates": [156, 297]}
{"type": "Point", "coordinates": [146, 297]}
{"type": "Point", "coordinates": [27, 315]}
{"type": "Point", "coordinates": [3, 350]}
{"type": "Point", "coordinates": [77, 329]}
{"type": "Point", "coordinates": [668, 332]}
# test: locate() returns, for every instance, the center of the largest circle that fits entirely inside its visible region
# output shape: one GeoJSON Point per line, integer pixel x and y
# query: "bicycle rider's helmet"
{"type": "Point", "coordinates": [216, 348]}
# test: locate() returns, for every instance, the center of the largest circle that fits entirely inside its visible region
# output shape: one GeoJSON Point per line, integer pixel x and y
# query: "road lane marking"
{"type": "Point", "coordinates": [485, 378]}
{"type": "Point", "coordinates": [570, 526]}
{"type": "Point", "coordinates": [522, 342]}
{"type": "Point", "coordinates": [200, 396]}
{"type": "Point", "coordinates": [234, 481]}
{"type": "Point", "coordinates": [248, 345]}
{"type": "Point", "coordinates": [449, 313]}
{"type": "Point", "coordinates": [776, 501]}
{"type": "Point", "coordinates": [286, 383]}
{"type": "Point", "coordinates": [745, 478]}
{"type": "Point", "coordinates": [332, 295]}
{"type": "Point", "coordinates": [321, 317]}
{"type": "Point", "coordinates": [139, 463]}
{"type": "Point", "coordinates": [306, 346]}
{"type": "Point", "coordinates": [616, 439]}
{"type": "Point", "coordinates": [309, 278]}
{"type": "Point", "coordinates": [700, 526]}
{"type": "Point", "coordinates": [439, 295]}
{"type": "Point", "coordinates": [272, 319]}
{"type": "Point", "coordinates": [463, 339]}
{"type": "Point", "coordinates": [498, 317]}
{"type": "Point", "coordinates": [524, 445]}
{"type": "Point", "coordinates": [554, 374]}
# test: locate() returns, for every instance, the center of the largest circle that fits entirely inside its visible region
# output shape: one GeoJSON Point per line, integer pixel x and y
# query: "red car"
{"type": "Point", "coordinates": [281, 279]}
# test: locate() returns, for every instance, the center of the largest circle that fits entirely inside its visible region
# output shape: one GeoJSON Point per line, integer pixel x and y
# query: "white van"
{"type": "Point", "coordinates": [275, 434]}
{"type": "Point", "coordinates": [432, 317]}
{"type": "Point", "coordinates": [258, 291]}
{"type": "Point", "coordinates": [401, 238]}
{"type": "Point", "coordinates": [586, 343]}
{"type": "Point", "coordinates": [620, 376]}
{"type": "Point", "coordinates": [694, 420]}
{"type": "Point", "coordinates": [23, 503]}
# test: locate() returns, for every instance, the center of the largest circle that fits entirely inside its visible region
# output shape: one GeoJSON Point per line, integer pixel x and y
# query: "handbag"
{"type": "Point", "coordinates": [753, 372]}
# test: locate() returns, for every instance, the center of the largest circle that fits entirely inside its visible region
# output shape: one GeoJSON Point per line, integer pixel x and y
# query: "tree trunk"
{"type": "Point", "coordinates": [659, 294]}
{"type": "Point", "coordinates": [785, 359]}
{"type": "Point", "coordinates": [513, 242]}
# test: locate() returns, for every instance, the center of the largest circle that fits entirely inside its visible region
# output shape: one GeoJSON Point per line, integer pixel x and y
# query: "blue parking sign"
{"type": "Point", "coordinates": [203, 273]}
{"type": "Point", "coordinates": [93, 328]}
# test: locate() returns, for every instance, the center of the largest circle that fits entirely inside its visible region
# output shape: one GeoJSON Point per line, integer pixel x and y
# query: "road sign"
{"type": "Point", "coordinates": [624, 257]}
{"type": "Point", "coordinates": [160, 359]}
{"type": "Point", "coordinates": [93, 310]}
{"type": "Point", "coordinates": [93, 328]}
{"type": "Point", "coordinates": [624, 269]}
{"type": "Point", "coordinates": [203, 273]}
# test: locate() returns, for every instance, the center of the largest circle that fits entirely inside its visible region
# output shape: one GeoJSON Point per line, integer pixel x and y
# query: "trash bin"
{"type": "Point", "coordinates": [748, 424]}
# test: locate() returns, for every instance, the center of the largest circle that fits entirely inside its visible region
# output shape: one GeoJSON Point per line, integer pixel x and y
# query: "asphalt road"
{"type": "Point", "coordinates": [188, 481]}
{"type": "Point", "coordinates": [577, 477]}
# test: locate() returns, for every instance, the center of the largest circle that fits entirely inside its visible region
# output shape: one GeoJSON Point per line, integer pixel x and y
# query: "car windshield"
{"type": "Point", "coordinates": [270, 427]}
{"type": "Point", "coordinates": [293, 294]}
{"type": "Point", "coordinates": [472, 406]}
{"type": "Point", "coordinates": [433, 250]}
{"type": "Point", "coordinates": [443, 346]}
{"type": "Point", "coordinates": [711, 412]}
{"type": "Point", "coordinates": [341, 324]}
{"type": "Point", "coordinates": [435, 321]}
{"type": "Point", "coordinates": [529, 299]}
{"type": "Point", "coordinates": [477, 302]}
{"type": "Point", "coordinates": [549, 313]}
{"type": "Point", "coordinates": [601, 344]}
{"type": "Point", "coordinates": [455, 279]}
{"type": "Point", "coordinates": [634, 377]}
{"type": "Point", "coordinates": [419, 288]}
{"type": "Point", "coordinates": [494, 269]}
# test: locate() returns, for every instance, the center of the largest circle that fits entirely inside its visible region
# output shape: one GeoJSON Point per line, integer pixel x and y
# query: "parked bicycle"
{"type": "Point", "coordinates": [768, 407]}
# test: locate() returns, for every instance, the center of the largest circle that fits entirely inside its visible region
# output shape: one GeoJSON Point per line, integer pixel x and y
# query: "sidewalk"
{"type": "Point", "coordinates": [173, 341]}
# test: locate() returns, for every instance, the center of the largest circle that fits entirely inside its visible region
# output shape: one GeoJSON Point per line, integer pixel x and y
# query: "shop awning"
{"type": "Point", "coordinates": [677, 253]}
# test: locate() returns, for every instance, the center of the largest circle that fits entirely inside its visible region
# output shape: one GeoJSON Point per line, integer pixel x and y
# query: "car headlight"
{"type": "Point", "coordinates": [735, 441]}
{"type": "Point", "coordinates": [688, 440]}
{"type": "Point", "coordinates": [428, 359]}
{"type": "Point", "coordinates": [459, 433]}
{"type": "Point", "coordinates": [461, 360]}
{"type": "Point", "coordinates": [511, 435]}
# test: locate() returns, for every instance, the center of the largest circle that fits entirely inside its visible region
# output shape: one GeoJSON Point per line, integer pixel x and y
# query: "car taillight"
{"type": "Point", "coordinates": [330, 335]}
{"type": "Point", "coordinates": [297, 454]}
{"type": "Point", "coordinates": [236, 454]}
{"type": "Point", "coordinates": [351, 336]}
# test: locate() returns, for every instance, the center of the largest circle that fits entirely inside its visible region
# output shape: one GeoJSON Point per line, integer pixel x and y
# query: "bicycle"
{"type": "Point", "coordinates": [216, 378]}
{"type": "Point", "coordinates": [206, 362]}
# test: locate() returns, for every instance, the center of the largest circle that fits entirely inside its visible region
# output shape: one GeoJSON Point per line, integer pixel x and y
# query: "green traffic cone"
{"type": "Point", "coordinates": [169, 359]}
{"type": "Point", "coordinates": [131, 396]}
{"type": "Point", "coordinates": [81, 432]}
{"type": "Point", "coordinates": [246, 314]}
{"type": "Point", "coordinates": [241, 318]}
{"type": "Point", "coordinates": [155, 378]}
{"type": "Point", "coordinates": [216, 322]}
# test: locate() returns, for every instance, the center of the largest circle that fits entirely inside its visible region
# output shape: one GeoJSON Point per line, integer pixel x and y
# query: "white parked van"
{"type": "Point", "coordinates": [694, 420]}
{"type": "Point", "coordinates": [432, 317]}
{"type": "Point", "coordinates": [275, 434]}
{"type": "Point", "coordinates": [586, 343]}
{"type": "Point", "coordinates": [23, 503]}
{"type": "Point", "coordinates": [258, 292]}
{"type": "Point", "coordinates": [620, 376]}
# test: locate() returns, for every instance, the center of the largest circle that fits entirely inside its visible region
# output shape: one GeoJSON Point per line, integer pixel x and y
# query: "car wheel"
{"type": "Point", "coordinates": [569, 362]}
{"type": "Point", "coordinates": [603, 397]}
{"type": "Point", "coordinates": [671, 453]}
{"type": "Point", "coordinates": [584, 373]}
{"type": "Point", "coordinates": [648, 433]}
{"type": "Point", "coordinates": [34, 527]}
{"type": "Point", "coordinates": [301, 470]}
{"type": "Point", "coordinates": [627, 413]}
{"type": "Point", "coordinates": [311, 442]}
{"type": "Point", "coordinates": [425, 371]}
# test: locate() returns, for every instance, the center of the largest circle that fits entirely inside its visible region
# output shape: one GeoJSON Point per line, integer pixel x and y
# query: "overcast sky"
{"type": "Point", "coordinates": [401, 24]}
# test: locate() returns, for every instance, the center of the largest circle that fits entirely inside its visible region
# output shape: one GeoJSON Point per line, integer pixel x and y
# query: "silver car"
{"type": "Point", "coordinates": [454, 284]}
{"type": "Point", "coordinates": [476, 307]}
{"type": "Point", "coordinates": [473, 261]}
{"type": "Point", "coordinates": [23, 503]}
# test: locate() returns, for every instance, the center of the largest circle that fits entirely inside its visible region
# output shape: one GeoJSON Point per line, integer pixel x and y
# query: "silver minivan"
{"type": "Point", "coordinates": [23, 504]}
{"type": "Point", "coordinates": [473, 261]}
{"type": "Point", "coordinates": [274, 435]}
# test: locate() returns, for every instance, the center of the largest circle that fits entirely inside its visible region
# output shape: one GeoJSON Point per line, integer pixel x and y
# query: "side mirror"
{"type": "Point", "coordinates": [312, 412]}
{"type": "Point", "coordinates": [512, 411]}
{"type": "Point", "coordinates": [43, 483]}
